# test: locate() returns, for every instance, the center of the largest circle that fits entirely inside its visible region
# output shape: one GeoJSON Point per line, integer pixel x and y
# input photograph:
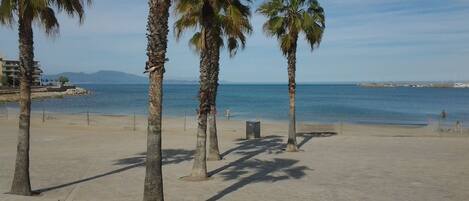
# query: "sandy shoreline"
{"type": "Point", "coordinates": [104, 161]}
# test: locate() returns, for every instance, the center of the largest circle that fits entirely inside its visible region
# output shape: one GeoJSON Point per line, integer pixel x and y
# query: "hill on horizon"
{"type": "Point", "coordinates": [110, 77]}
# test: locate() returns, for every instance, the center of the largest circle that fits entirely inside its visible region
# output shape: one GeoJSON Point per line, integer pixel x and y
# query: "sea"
{"type": "Point", "coordinates": [322, 103]}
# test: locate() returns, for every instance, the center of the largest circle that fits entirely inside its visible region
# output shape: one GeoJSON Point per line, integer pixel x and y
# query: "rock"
{"type": "Point", "coordinates": [76, 92]}
{"type": "Point", "coordinates": [42, 95]}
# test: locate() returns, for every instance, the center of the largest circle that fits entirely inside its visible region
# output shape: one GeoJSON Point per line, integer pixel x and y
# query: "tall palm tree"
{"type": "Point", "coordinates": [27, 12]}
{"type": "Point", "coordinates": [157, 34]}
{"type": "Point", "coordinates": [215, 20]}
{"type": "Point", "coordinates": [286, 20]}
{"type": "Point", "coordinates": [235, 25]}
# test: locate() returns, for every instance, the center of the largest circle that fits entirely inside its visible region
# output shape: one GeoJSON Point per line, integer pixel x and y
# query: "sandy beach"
{"type": "Point", "coordinates": [105, 161]}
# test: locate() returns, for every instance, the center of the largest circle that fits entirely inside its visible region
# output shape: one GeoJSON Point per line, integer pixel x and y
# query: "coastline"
{"type": "Point", "coordinates": [431, 123]}
{"type": "Point", "coordinates": [315, 103]}
{"type": "Point", "coordinates": [444, 85]}
{"type": "Point", "coordinates": [41, 94]}
{"type": "Point", "coordinates": [128, 121]}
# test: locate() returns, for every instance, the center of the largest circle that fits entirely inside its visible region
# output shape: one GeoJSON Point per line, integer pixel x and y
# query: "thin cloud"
{"type": "Point", "coordinates": [364, 40]}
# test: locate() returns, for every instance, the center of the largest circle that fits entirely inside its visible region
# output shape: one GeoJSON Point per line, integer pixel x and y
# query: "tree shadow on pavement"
{"type": "Point", "coordinates": [170, 156]}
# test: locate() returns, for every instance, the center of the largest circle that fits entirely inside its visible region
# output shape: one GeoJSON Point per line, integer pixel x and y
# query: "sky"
{"type": "Point", "coordinates": [364, 40]}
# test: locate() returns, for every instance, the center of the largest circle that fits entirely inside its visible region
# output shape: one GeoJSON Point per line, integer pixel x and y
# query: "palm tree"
{"type": "Point", "coordinates": [157, 35]}
{"type": "Point", "coordinates": [215, 21]}
{"type": "Point", "coordinates": [27, 12]}
{"type": "Point", "coordinates": [286, 20]}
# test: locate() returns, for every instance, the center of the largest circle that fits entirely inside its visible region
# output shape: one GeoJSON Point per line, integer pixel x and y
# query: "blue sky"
{"type": "Point", "coordinates": [365, 40]}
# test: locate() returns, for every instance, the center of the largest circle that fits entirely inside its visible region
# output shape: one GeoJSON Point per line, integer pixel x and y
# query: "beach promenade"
{"type": "Point", "coordinates": [105, 161]}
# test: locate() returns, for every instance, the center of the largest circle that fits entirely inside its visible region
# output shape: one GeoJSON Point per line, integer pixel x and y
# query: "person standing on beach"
{"type": "Point", "coordinates": [443, 114]}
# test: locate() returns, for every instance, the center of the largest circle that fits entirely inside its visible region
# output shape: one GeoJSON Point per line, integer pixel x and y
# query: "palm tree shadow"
{"type": "Point", "coordinates": [247, 148]}
{"type": "Point", "coordinates": [170, 156]}
{"type": "Point", "coordinates": [307, 136]}
{"type": "Point", "coordinates": [249, 144]}
{"type": "Point", "coordinates": [250, 148]}
{"type": "Point", "coordinates": [270, 144]}
{"type": "Point", "coordinates": [264, 171]}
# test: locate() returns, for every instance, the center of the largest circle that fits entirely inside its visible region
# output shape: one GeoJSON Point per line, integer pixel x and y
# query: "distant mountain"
{"type": "Point", "coordinates": [110, 77]}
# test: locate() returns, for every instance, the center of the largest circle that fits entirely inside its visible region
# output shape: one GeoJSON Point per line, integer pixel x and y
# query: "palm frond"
{"type": "Point", "coordinates": [189, 14]}
{"type": "Point", "coordinates": [233, 46]}
{"type": "Point", "coordinates": [229, 17]}
{"type": "Point", "coordinates": [7, 9]}
{"type": "Point", "coordinates": [286, 19]}
{"type": "Point", "coordinates": [197, 42]}
{"type": "Point", "coordinates": [286, 43]}
{"type": "Point", "coordinates": [272, 8]}
{"type": "Point", "coordinates": [42, 12]}
{"type": "Point", "coordinates": [49, 22]}
{"type": "Point", "coordinates": [184, 23]}
{"type": "Point", "coordinates": [275, 26]}
{"type": "Point", "coordinates": [71, 7]}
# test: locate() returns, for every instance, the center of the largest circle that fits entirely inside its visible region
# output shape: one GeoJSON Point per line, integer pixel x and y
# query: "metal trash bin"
{"type": "Point", "coordinates": [253, 129]}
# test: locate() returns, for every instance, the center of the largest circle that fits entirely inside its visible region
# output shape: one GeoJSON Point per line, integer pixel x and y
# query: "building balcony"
{"type": "Point", "coordinates": [9, 69]}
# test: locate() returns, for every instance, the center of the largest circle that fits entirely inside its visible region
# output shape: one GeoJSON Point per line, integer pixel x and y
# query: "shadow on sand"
{"type": "Point", "coordinates": [246, 171]}
{"type": "Point", "coordinates": [248, 149]}
{"type": "Point", "coordinates": [170, 156]}
{"type": "Point", "coordinates": [307, 136]}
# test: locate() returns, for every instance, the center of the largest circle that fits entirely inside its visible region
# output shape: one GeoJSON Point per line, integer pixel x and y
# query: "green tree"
{"type": "Point", "coordinates": [214, 21]}
{"type": "Point", "coordinates": [26, 13]}
{"type": "Point", "coordinates": [4, 80]}
{"type": "Point", "coordinates": [286, 19]}
{"type": "Point", "coordinates": [63, 80]}
{"type": "Point", "coordinates": [157, 34]}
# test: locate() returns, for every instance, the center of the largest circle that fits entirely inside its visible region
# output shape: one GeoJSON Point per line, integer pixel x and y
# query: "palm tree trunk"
{"type": "Point", "coordinates": [291, 144]}
{"type": "Point", "coordinates": [199, 169]}
{"type": "Point", "coordinates": [21, 182]}
{"type": "Point", "coordinates": [213, 150]}
{"type": "Point", "coordinates": [156, 51]}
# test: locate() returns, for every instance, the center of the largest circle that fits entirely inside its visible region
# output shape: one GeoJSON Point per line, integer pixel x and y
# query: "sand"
{"type": "Point", "coordinates": [104, 161]}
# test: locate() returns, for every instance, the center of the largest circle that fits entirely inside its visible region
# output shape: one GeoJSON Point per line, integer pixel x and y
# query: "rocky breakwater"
{"type": "Point", "coordinates": [43, 93]}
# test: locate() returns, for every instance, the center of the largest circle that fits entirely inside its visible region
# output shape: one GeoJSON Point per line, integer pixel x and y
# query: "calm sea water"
{"type": "Point", "coordinates": [321, 103]}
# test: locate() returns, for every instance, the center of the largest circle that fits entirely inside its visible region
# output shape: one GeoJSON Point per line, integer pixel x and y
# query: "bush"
{"type": "Point", "coordinates": [63, 80]}
{"type": "Point", "coordinates": [4, 80]}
